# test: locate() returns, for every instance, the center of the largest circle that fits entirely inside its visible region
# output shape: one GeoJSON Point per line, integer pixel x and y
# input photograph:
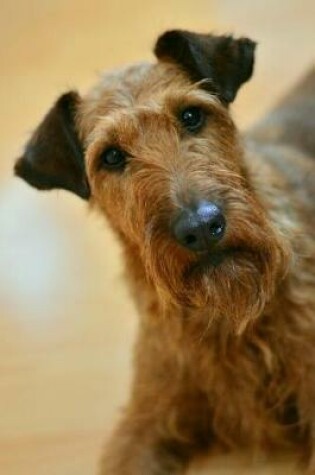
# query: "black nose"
{"type": "Point", "coordinates": [200, 227]}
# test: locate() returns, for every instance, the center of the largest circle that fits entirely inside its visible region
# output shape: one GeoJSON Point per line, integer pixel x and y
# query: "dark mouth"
{"type": "Point", "coordinates": [214, 259]}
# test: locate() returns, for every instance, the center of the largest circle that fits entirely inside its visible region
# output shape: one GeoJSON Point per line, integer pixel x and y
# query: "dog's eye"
{"type": "Point", "coordinates": [113, 159]}
{"type": "Point", "coordinates": [192, 118]}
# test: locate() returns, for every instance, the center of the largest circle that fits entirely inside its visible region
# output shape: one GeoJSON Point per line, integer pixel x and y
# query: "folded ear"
{"type": "Point", "coordinates": [53, 157]}
{"type": "Point", "coordinates": [226, 61]}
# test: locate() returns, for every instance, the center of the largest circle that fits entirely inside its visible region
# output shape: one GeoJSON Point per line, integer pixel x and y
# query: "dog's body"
{"type": "Point", "coordinates": [218, 237]}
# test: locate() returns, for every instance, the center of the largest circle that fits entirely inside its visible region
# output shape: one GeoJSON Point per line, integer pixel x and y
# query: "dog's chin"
{"type": "Point", "coordinates": [233, 281]}
{"type": "Point", "coordinates": [211, 261]}
{"type": "Point", "coordinates": [215, 281]}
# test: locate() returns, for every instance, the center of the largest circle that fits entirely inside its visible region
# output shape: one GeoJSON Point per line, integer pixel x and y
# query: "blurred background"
{"type": "Point", "coordinates": [67, 324]}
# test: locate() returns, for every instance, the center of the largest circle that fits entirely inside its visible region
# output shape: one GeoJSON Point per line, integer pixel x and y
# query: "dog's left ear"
{"type": "Point", "coordinates": [53, 157]}
{"type": "Point", "coordinates": [226, 61]}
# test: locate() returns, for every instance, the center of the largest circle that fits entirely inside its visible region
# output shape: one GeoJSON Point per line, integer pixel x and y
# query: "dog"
{"type": "Point", "coordinates": [217, 231]}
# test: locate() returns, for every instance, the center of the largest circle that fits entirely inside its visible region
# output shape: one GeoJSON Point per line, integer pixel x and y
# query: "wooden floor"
{"type": "Point", "coordinates": [66, 321]}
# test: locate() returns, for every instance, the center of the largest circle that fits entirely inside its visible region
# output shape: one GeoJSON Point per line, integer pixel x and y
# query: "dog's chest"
{"type": "Point", "coordinates": [251, 394]}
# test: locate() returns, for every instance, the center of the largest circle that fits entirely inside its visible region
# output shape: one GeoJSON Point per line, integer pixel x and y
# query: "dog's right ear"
{"type": "Point", "coordinates": [227, 62]}
{"type": "Point", "coordinates": [53, 157]}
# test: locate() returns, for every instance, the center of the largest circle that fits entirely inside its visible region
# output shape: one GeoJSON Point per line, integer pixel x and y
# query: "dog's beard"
{"type": "Point", "coordinates": [233, 281]}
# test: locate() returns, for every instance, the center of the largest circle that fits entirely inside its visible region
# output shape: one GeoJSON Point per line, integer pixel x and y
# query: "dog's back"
{"type": "Point", "coordinates": [292, 122]}
{"type": "Point", "coordinates": [286, 139]}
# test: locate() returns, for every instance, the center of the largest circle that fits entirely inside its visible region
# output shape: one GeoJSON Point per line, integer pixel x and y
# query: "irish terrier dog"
{"type": "Point", "coordinates": [218, 239]}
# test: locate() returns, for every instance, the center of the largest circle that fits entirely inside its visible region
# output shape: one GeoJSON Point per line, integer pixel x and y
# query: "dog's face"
{"type": "Point", "coordinates": [155, 149]}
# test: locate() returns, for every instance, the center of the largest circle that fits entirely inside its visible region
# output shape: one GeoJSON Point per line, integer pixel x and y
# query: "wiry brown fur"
{"type": "Point", "coordinates": [226, 351]}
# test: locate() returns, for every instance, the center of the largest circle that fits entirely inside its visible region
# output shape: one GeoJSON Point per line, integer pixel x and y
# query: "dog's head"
{"type": "Point", "coordinates": [154, 147]}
